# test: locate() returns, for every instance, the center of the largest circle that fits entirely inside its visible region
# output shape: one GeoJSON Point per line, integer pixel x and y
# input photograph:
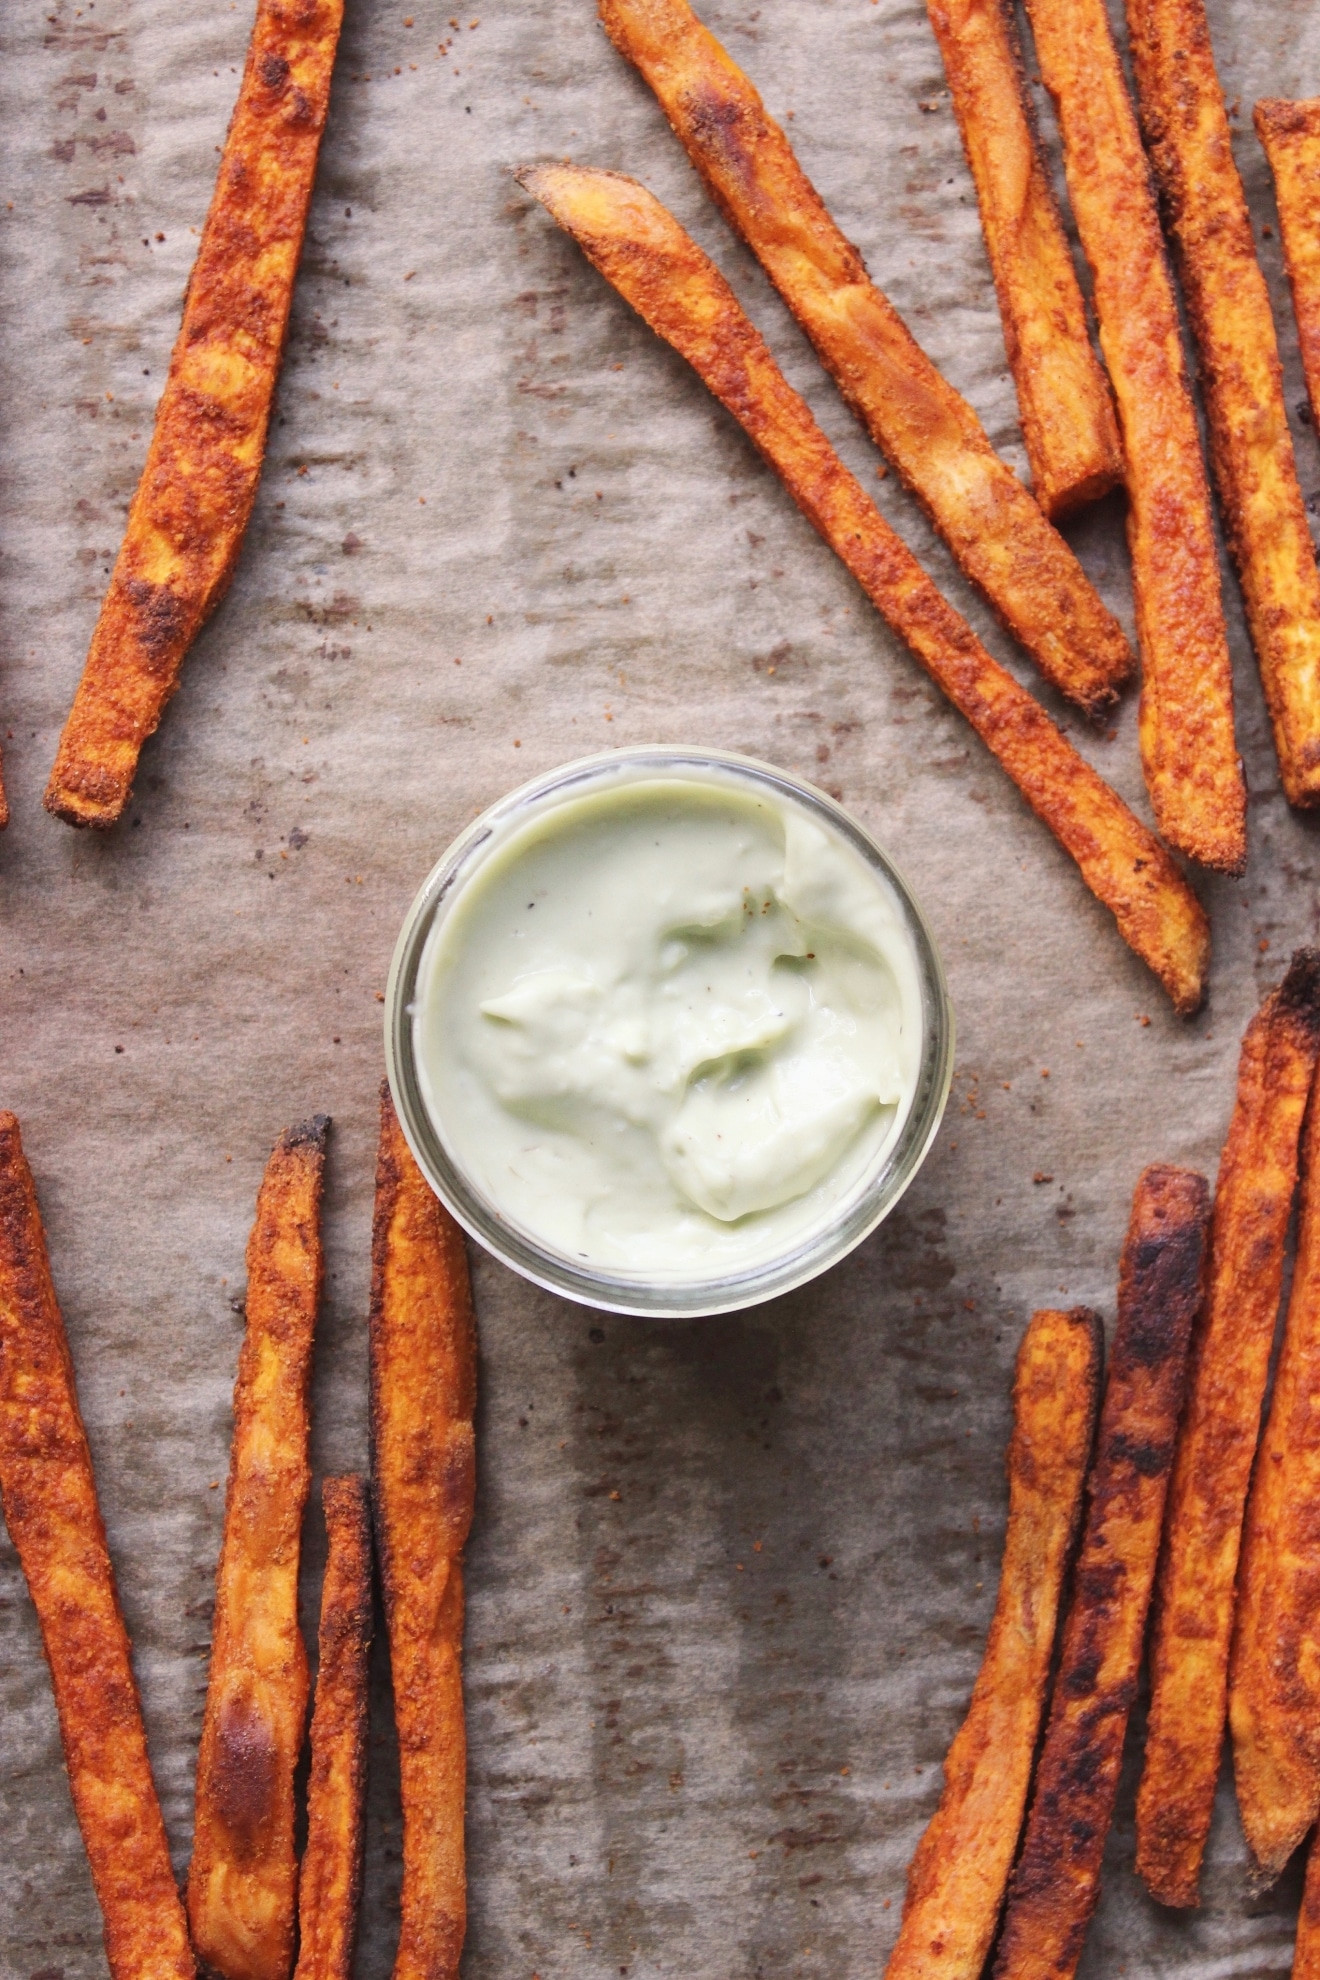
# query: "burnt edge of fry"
{"type": "Point", "coordinates": [330, 1876]}
{"type": "Point", "coordinates": [1298, 996]}
{"type": "Point", "coordinates": [1162, 1280]}
{"type": "Point", "coordinates": [308, 1134]}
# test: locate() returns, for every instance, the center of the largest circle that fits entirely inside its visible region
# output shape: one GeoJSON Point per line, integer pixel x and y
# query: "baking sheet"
{"type": "Point", "coordinates": [729, 1581]}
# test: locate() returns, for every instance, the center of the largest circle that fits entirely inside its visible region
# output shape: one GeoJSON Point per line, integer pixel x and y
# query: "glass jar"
{"type": "Point", "coordinates": [857, 1214]}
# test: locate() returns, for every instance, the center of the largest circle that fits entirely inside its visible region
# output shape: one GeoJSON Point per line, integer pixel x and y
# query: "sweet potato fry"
{"type": "Point", "coordinates": [641, 249]}
{"type": "Point", "coordinates": [1161, 1284]}
{"type": "Point", "coordinates": [1064, 403]}
{"type": "Point", "coordinates": [932, 436]}
{"type": "Point", "coordinates": [1188, 750]}
{"type": "Point", "coordinates": [1190, 146]}
{"type": "Point", "coordinates": [1194, 1611]}
{"type": "Point", "coordinates": [54, 1521]}
{"type": "Point", "coordinates": [1306, 1951]}
{"type": "Point", "coordinates": [1274, 1676]}
{"type": "Point", "coordinates": [957, 1879]}
{"type": "Point", "coordinates": [1290, 138]}
{"type": "Point", "coordinates": [330, 1880]}
{"type": "Point", "coordinates": [243, 1879]}
{"type": "Point", "coordinates": [423, 1394]}
{"type": "Point", "coordinates": [188, 517]}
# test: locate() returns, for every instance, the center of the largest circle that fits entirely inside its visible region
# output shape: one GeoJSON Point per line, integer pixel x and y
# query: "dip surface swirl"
{"type": "Point", "coordinates": [670, 1026]}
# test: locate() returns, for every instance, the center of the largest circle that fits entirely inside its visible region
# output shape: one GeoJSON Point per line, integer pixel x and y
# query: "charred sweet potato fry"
{"type": "Point", "coordinates": [1274, 1677]}
{"type": "Point", "coordinates": [243, 1879]}
{"type": "Point", "coordinates": [54, 1521]}
{"type": "Point", "coordinates": [1194, 1611]}
{"type": "Point", "coordinates": [187, 519]}
{"type": "Point", "coordinates": [641, 249]}
{"type": "Point", "coordinates": [1064, 403]}
{"type": "Point", "coordinates": [1290, 138]}
{"type": "Point", "coordinates": [1188, 750]}
{"type": "Point", "coordinates": [330, 1880]}
{"type": "Point", "coordinates": [1160, 1287]}
{"type": "Point", "coordinates": [423, 1394]}
{"type": "Point", "coordinates": [958, 1875]}
{"type": "Point", "coordinates": [1190, 146]}
{"type": "Point", "coordinates": [932, 436]}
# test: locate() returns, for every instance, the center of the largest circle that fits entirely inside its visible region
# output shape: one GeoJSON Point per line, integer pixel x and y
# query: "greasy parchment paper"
{"type": "Point", "coordinates": [729, 1581]}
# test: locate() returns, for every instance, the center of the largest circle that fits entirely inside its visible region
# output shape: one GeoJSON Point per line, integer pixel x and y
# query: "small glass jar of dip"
{"type": "Point", "coordinates": [667, 1031]}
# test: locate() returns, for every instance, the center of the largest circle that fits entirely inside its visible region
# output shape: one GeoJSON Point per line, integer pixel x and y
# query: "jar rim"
{"type": "Point", "coordinates": [619, 1292]}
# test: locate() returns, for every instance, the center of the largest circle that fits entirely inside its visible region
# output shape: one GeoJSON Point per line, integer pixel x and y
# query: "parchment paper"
{"type": "Point", "coordinates": [729, 1582]}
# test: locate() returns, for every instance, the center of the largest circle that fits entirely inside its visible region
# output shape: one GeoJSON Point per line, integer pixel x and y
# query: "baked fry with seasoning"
{"type": "Point", "coordinates": [1191, 148]}
{"type": "Point", "coordinates": [1290, 138]}
{"type": "Point", "coordinates": [423, 1395]}
{"type": "Point", "coordinates": [931, 435]}
{"type": "Point", "coordinates": [1056, 1883]}
{"type": "Point", "coordinates": [1217, 1443]}
{"type": "Point", "coordinates": [188, 517]}
{"type": "Point", "coordinates": [1188, 750]}
{"type": "Point", "coordinates": [243, 1878]}
{"type": "Point", "coordinates": [1064, 403]}
{"type": "Point", "coordinates": [330, 1879]}
{"type": "Point", "coordinates": [1306, 1950]}
{"type": "Point", "coordinates": [54, 1520]}
{"type": "Point", "coordinates": [956, 1883]}
{"type": "Point", "coordinates": [1274, 1676]}
{"type": "Point", "coordinates": [640, 248]}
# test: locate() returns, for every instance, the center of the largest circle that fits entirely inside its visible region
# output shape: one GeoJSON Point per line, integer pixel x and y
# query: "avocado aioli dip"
{"type": "Point", "coordinates": [669, 1025]}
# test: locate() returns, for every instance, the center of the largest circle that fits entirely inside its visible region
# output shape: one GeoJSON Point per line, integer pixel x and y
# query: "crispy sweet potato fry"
{"type": "Point", "coordinates": [1188, 749]}
{"type": "Point", "coordinates": [187, 520]}
{"type": "Point", "coordinates": [932, 436]}
{"type": "Point", "coordinates": [54, 1521]}
{"type": "Point", "coordinates": [1306, 1951]}
{"type": "Point", "coordinates": [1160, 1287]}
{"type": "Point", "coordinates": [1190, 146]}
{"type": "Point", "coordinates": [1290, 137]}
{"type": "Point", "coordinates": [423, 1394]}
{"type": "Point", "coordinates": [330, 1880]}
{"type": "Point", "coordinates": [243, 1879]}
{"type": "Point", "coordinates": [1194, 1612]}
{"type": "Point", "coordinates": [957, 1879]}
{"type": "Point", "coordinates": [1274, 1676]}
{"type": "Point", "coordinates": [1064, 403]}
{"type": "Point", "coordinates": [641, 249]}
